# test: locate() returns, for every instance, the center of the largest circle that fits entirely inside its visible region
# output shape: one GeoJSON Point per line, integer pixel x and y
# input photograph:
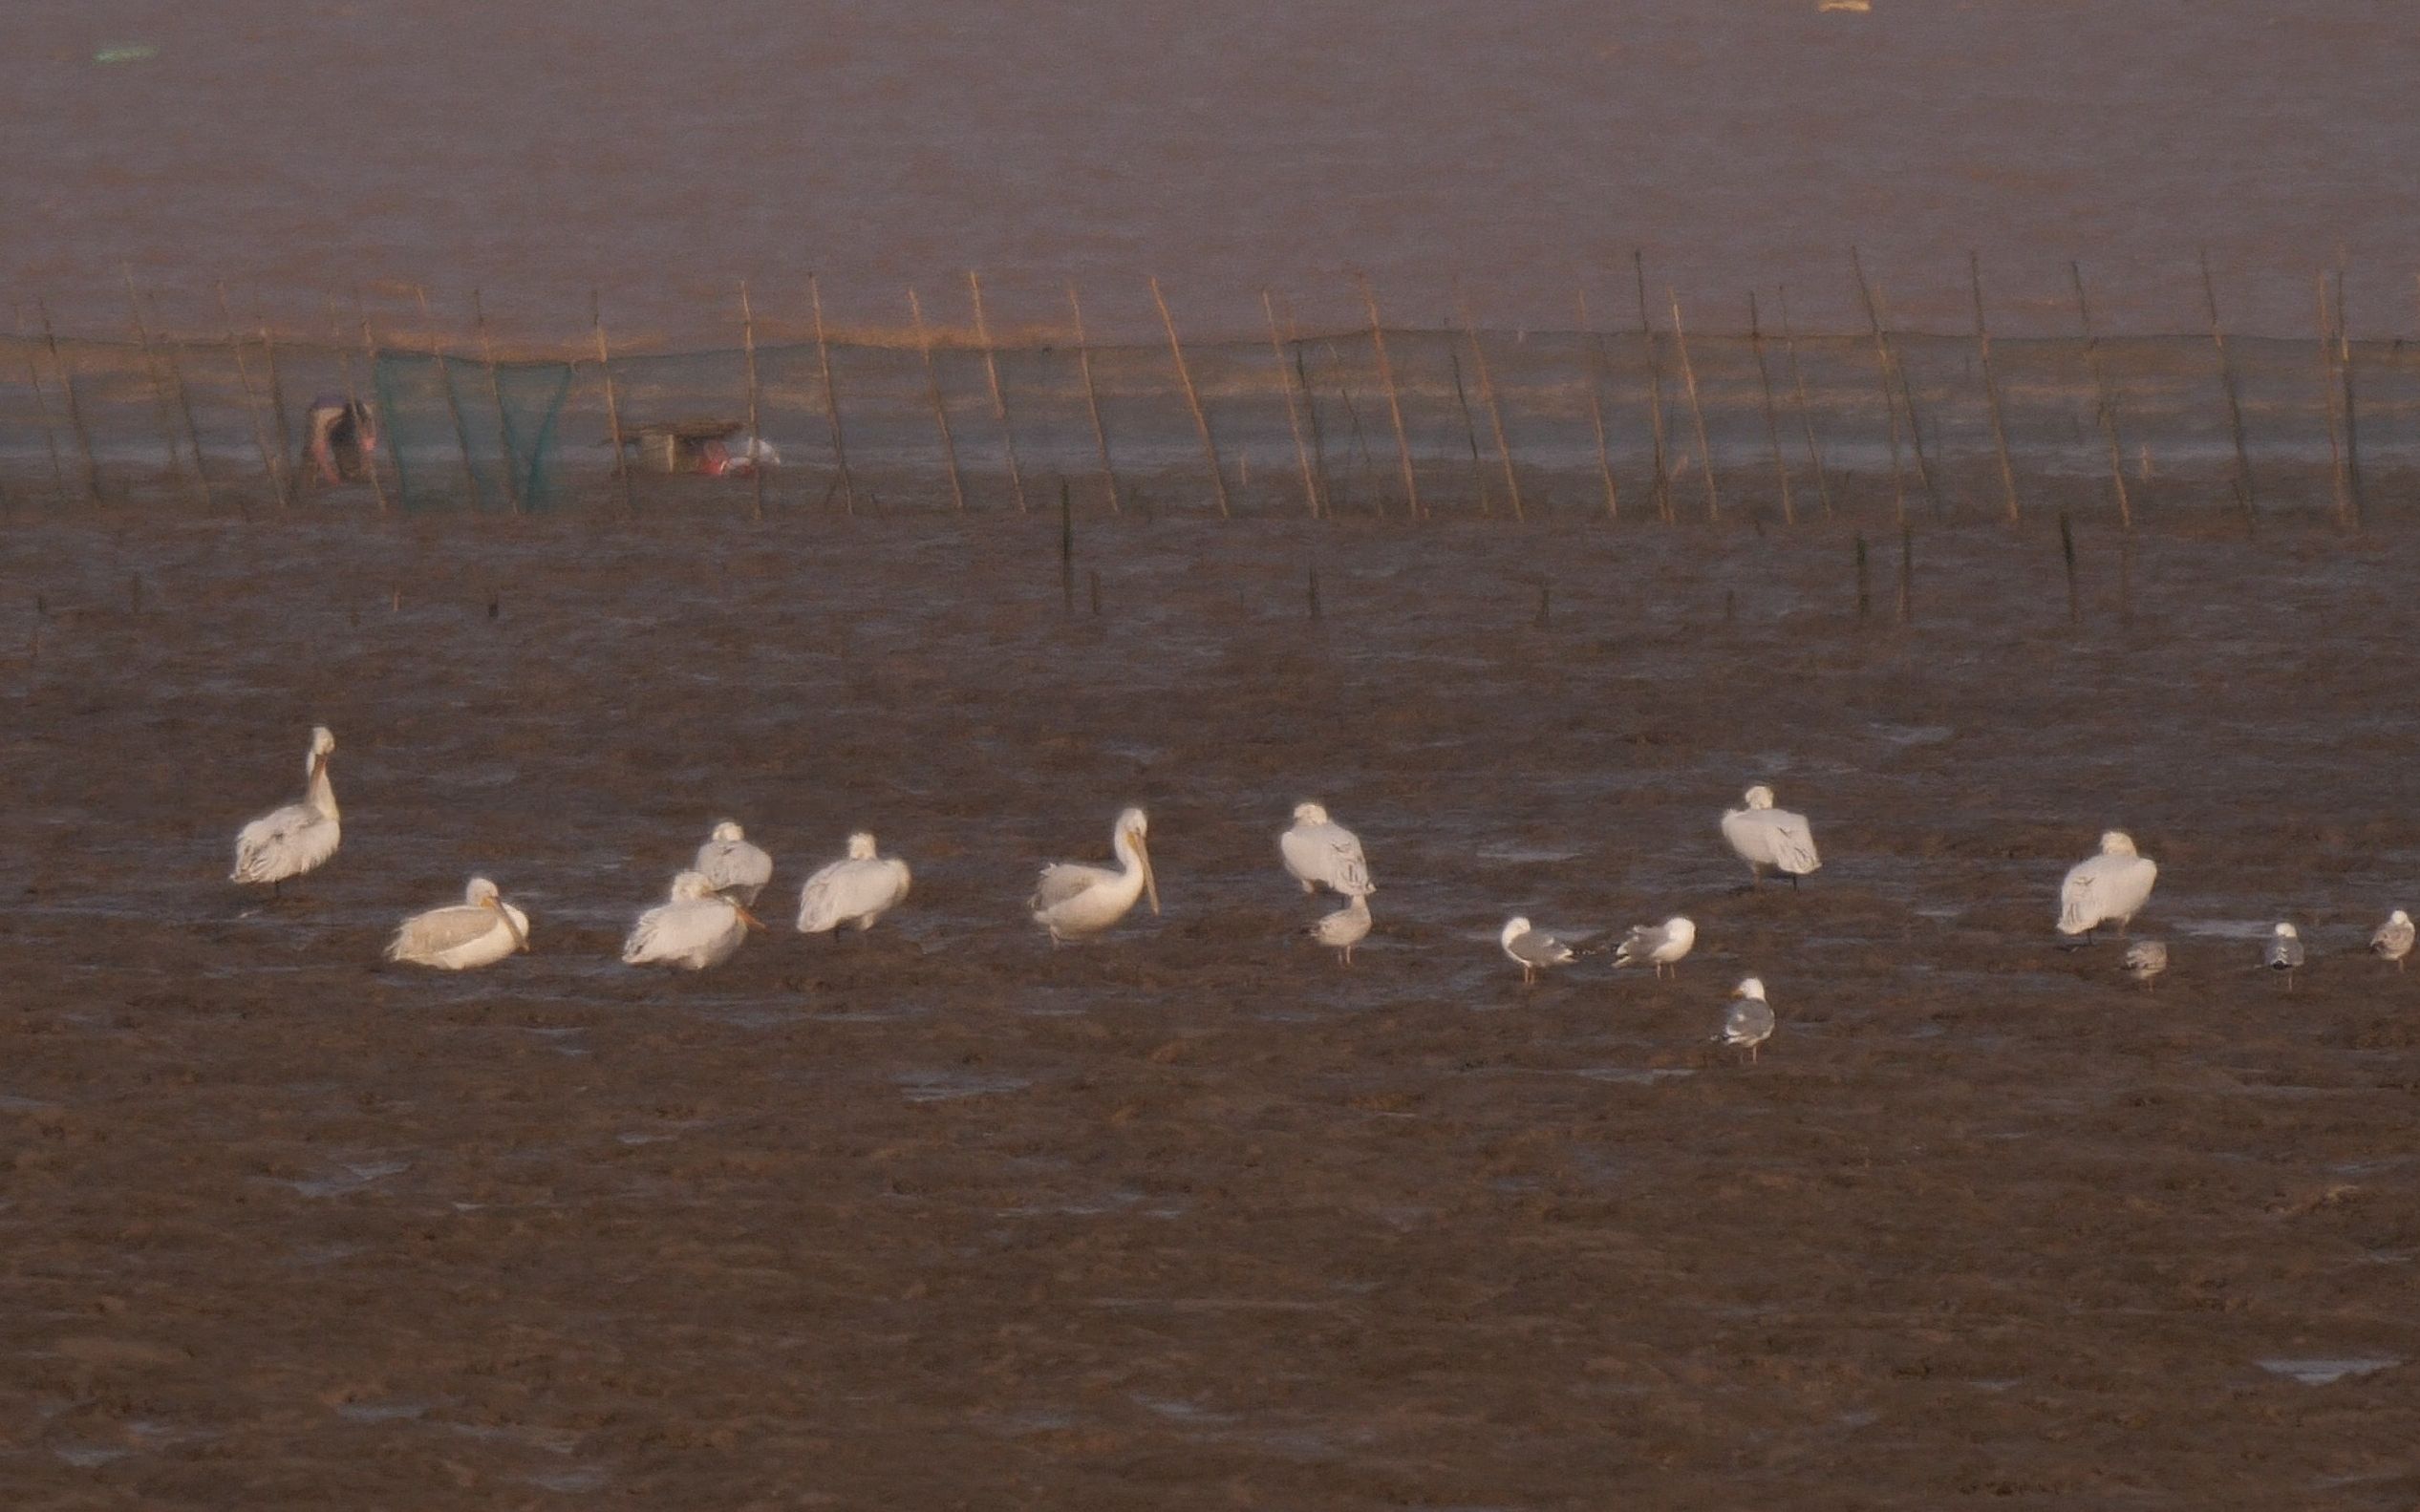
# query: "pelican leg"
{"type": "Point", "coordinates": [1793, 882]}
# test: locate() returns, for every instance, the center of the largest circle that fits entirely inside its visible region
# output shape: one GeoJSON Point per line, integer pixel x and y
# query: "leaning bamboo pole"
{"type": "Point", "coordinates": [2104, 402]}
{"type": "Point", "coordinates": [1092, 402]}
{"type": "Point", "coordinates": [42, 403]}
{"type": "Point", "coordinates": [613, 402]}
{"type": "Point", "coordinates": [444, 370]}
{"type": "Point", "coordinates": [1596, 407]}
{"type": "Point", "coordinates": [756, 458]}
{"type": "Point", "coordinates": [1772, 422]}
{"type": "Point", "coordinates": [1469, 434]}
{"type": "Point", "coordinates": [2328, 391]}
{"type": "Point", "coordinates": [2235, 400]}
{"type": "Point", "coordinates": [271, 459]}
{"type": "Point", "coordinates": [831, 399]}
{"type": "Point", "coordinates": [1192, 400]}
{"type": "Point", "coordinates": [1697, 411]}
{"type": "Point", "coordinates": [1654, 392]}
{"type": "Point", "coordinates": [940, 410]}
{"type": "Point", "coordinates": [2352, 413]}
{"type": "Point", "coordinates": [193, 431]}
{"type": "Point", "coordinates": [1294, 411]}
{"type": "Point", "coordinates": [1991, 388]}
{"type": "Point", "coordinates": [75, 406]}
{"type": "Point", "coordinates": [1882, 374]}
{"type": "Point", "coordinates": [999, 397]}
{"type": "Point", "coordinates": [1805, 413]}
{"type": "Point", "coordinates": [1394, 396]}
{"type": "Point", "coordinates": [496, 398]}
{"type": "Point", "coordinates": [201, 489]}
{"type": "Point", "coordinates": [276, 396]}
{"type": "Point", "coordinates": [1488, 396]}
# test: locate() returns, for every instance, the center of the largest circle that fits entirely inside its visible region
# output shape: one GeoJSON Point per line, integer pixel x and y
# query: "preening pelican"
{"type": "Point", "coordinates": [2393, 939]}
{"type": "Point", "coordinates": [1659, 945]}
{"type": "Point", "coordinates": [2284, 953]}
{"type": "Point", "coordinates": [860, 888]}
{"type": "Point", "coordinates": [300, 837]}
{"type": "Point", "coordinates": [2110, 886]}
{"type": "Point", "coordinates": [1532, 951]}
{"type": "Point", "coordinates": [698, 928]}
{"type": "Point", "coordinates": [2145, 959]}
{"type": "Point", "coordinates": [736, 868]}
{"type": "Point", "coordinates": [1321, 853]}
{"type": "Point", "coordinates": [1072, 900]}
{"type": "Point", "coordinates": [479, 930]}
{"type": "Point", "coordinates": [1346, 928]}
{"type": "Point", "coordinates": [1765, 836]}
{"type": "Point", "coordinates": [1748, 1022]}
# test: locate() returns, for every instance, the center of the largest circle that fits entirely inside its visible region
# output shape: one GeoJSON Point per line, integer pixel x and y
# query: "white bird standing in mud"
{"type": "Point", "coordinates": [1748, 1022]}
{"type": "Point", "coordinates": [2284, 953]}
{"type": "Point", "coordinates": [2145, 959]}
{"type": "Point", "coordinates": [735, 867]}
{"type": "Point", "coordinates": [1346, 928]}
{"type": "Point", "coordinates": [1319, 852]}
{"type": "Point", "coordinates": [1660, 946]}
{"type": "Point", "coordinates": [479, 930]}
{"type": "Point", "coordinates": [1764, 836]}
{"type": "Point", "coordinates": [1531, 950]}
{"type": "Point", "coordinates": [695, 928]}
{"type": "Point", "coordinates": [1072, 900]}
{"type": "Point", "coordinates": [300, 837]}
{"type": "Point", "coordinates": [858, 889]}
{"type": "Point", "coordinates": [2110, 887]}
{"type": "Point", "coordinates": [2393, 939]}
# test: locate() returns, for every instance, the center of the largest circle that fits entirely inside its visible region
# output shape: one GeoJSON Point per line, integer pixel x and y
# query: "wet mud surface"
{"type": "Point", "coordinates": [1192, 1216]}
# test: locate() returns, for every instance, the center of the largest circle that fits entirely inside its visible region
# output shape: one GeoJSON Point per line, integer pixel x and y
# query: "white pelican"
{"type": "Point", "coordinates": [698, 928]}
{"type": "Point", "coordinates": [736, 868]}
{"type": "Point", "coordinates": [1321, 853]}
{"type": "Point", "coordinates": [1534, 950]}
{"type": "Point", "coordinates": [1748, 1022]}
{"type": "Point", "coordinates": [2113, 885]}
{"type": "Point", "coordinates": [860, 888]}
{"type": "Point", "coordinates": [1660, 946]}
{"type": "Point", "coordinates": [2393, 939]}
{"type": "Point", "coordinates": [1346, 928]}
{"type": "Point", "coordinates": [1765, 836]}
{"type": "Point", "coordinates": [2145, 959]}
{"type": "Point", "coordinates": [1072, 900]}
{"type": "Point", "coordinates": [479, 930]}
{"type": "Point", "coordinates": [2284, 953]}
{"type": "Point", "coordinates": [300, 837]}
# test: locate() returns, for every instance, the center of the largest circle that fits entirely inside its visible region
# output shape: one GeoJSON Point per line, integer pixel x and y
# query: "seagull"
{"type": "Point", "coordinates": [736, 868]}
{"type": "Point", "coordinates": [1072, 900]}
{"type": "Point", "coordinates": [2145, 959]}
{"type": "Point", "coordinates": [300, 837]}
{"type": "Point", "coordinates": [1660, 946]}
{"type": "Point", "coordinates": [479, 930]}
{"type": "Point", "coordinates": [2113, 885]}
{"type": "Point", "coordinates": [1765, 836]}
{"type": "Point", "coordinates": [1748, 1022]}
{"type": "Point", "coordinates": [2393, 939]}
{"type": "Point", "coordinates": [2284, 953]}
{"type": "Point", "coordinates": [1319, 852]}
{"type": "Point", "coordinates": [1534, 950]}
{"type": "Point", "coordinates": [1344, 929]}
{"type": "Point", "coordinates": [858, 889]}
{"type": "Point", "coordinates": [695, 928]}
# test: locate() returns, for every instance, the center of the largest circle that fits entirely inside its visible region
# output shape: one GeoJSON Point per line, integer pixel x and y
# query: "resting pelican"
{"type": "Point", "coordinates": [736, 869]}
{"type": "Point", "coordinates": [2284, 953]}
{"type": "Point", "coordinates": [698, 928]}
{"type": "Point", "coordinates": [1534, 950]}
{"type": "Point", "coordinates": [479, 930]}
{"type": "Point", "coordinates": [2113, 885]}
{"type": "Point", "coordinates": [2145, 959]}
{"type": "Point", "coordinates": [1346, 928]}
{"type": "Point", "coordinates": [300, 837]}
{"type": "Point", "coordinates": [2393, 939]}
{"type": "Point", "coordinates": [1748, 1022]}
{"type": "Point", "coordinates": [1765, 836]}
{"type": "Point", "coordinates": [1072, 900]}
{"type": "Point", "coordinates": [1321, 853]}
{"type": "Point", "coordinates": [1661, 944]}
{"type": "Point", "coordinates": [860, 888]}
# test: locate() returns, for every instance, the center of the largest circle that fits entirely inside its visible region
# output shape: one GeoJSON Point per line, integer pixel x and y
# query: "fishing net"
{"type": "Point", "coordinates": [454, 440]}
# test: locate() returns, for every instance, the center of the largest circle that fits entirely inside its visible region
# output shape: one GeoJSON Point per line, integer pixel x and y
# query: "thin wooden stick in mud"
{"type": "Point", "coordinates": [1654, 392]}
{"type": "Point", "coordinates": [2234, 399]}
{"type": "Point", "coordinates": [999, 397]}
{"type": "Point", "coordinates": [1294, 411]}
{"type": "Point", "coordinates": [442, 367]}
{"type": "Point", "coordinates": [1471, 434]}
{"type": "Point", "coordinates": [75, 406]}
{"type": "Point", "coordinates": [2329, 392]}
{"type": "Point", "coordinates": [2352, 415]}
{"type": "Point", "coordinates": [1991, 388]}
{"type": "Point", "coordinates": [1596, 407]}
{"type": "Point", "coordinates": [192, 431]}
{"type": "Point", "coordinates": [1488, 396]}
{"type": "Point", "coordinates": [1806, 412]}
{"type": "Point", "coordinates": [2067, 555]}
{"type": "Point", "coordinates": [1192, 400]}
{"type": "Point", "coordinates": [1394, 396]}
{"type": "Point", "coordinates": [1772, 422]}
{"type": "Point", "coordinates": [1907, 576]}
{"type": "Point", "coordinates": [1865, 584]}
{"type": "Point", "coordinates": [42, 403]}
{"type": "Point", "coordinates": [271, 461]}
{"type": "Point", "coordinates": [2105, 403]}
{"type": "Point", "coordinates": [199, 486]}
{"type": "Point", "coordinates": [1882, 376]}
{"type": "Point", "coordinates": [353, 405]}
{"type": "Point", "coordinates": [940, 410]}
{"type": "Point", "coordinates": [612, 401]}
{"type": "Point", "coordinates": [496, 398]}
{"type": "Point", "coordinates": [1066, 548]}
{"type": "Point", "coordinates": [831, 399]}
{"type": "Point", "coordinates": [1697, 411]}
{"type": "Point", "coordinates": [748, 346]}
{"type": "Point", "coordinates": [1092, 402]}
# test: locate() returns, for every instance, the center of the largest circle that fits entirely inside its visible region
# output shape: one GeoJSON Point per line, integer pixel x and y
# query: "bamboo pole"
{"type": "Point", "coordinates": [200, 488]}
{"type": "Point", "coordinates": [445, 380]}
{"type": "Point", "coordinates": [1654, 392]}
{"type": "Point", "coordinates": [940, 410]}
{"type": "Point", "coordinates": [2328, 391]}
{"type": "Point", "coordinates": [1907, 402]}
{"type": "Point", "coordinates": [1697, 411]}
{"type": "Point", "coordinates": [1806, 412]}
{"type": "Point", "coordinates": [1772, 422]}
{"type": "Point", "coordinates": [1319, 429]}
{"type": "Point", "coordinates": [192, 430]}
{"type": "Point", "coordinates": [1488, 396]}
{"type": "Point", "coordinates": [378, 423]}
{"type": "Point", "coordinates": [1394, 396]}
{"type": "Point", "coordinates": [2106, 403]}
{"type": "Point", "coordinates": [1192, 400]}
{"type": "Point", "coordinates": [42, 403]}
{"type": "Point", "coordinates": [1991, 388]}
{"type": "Point", "coordinates": [270, 461]}
{"type": "Point", "coordinates": [286, 453]}
{"type": "Point", "coordinates": [999, 397]}
{"type": "Point", "coordinates": [2234, 401]}
{"type": "Point", "coordinates": [755, 462]}
{"type": "Point", "coordinates": [1596, 407]}
{"type": "Point", "coordinates": [1883, 373]}
{"type": "Point", "coordinates": [1294, 412]}
{"type": "Point", "coordinates": [2352, 415]}
{"type": "Point", "coordinates": [75, 406]}
{"type": "Point", "coordinates": [496, 398]}
{"type": "Point", "coordinates": [831, 399]}
{"type": "Point", "coordinates": [1469, 434]}
{"type": "Point", "coordinates": [1092, 402]}
{"type": "Point", "coordinates": [613, 402]}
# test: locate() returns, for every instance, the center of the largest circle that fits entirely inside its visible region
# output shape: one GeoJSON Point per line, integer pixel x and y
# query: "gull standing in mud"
{"type": "Point", "coordinates": [696, 928]}
{"type": "Point", "coordinates": [1072, 900]}
{"type": "Point", "coordinates": [2145, 959]}
{"type": "Point", "coordinates": [736, 868]}
{"type": "Point", "coordinates": [479, 930]}
{"type": "Point", "coordinates": [858, 889]}
{"type": "Point", "coordinates": [1764, 836]}
{"type": "Point", "coordinates": [1660, 946]}
{"type": "Point", "coordinates": [2393, 939]}
{"type": "Point", "coordinates": [1748, 1022]}
{"type": "Point", "coordinates": [2284, 953]}
{"type": "Point", "coordinates": [1318, 852]}
{"type": "Point", "coordinates": [2110, 887]}
{"type": "Point", "coordinates": [1346, 928]}
{"type": "Point", "coordinates": [300, 837]}
{"type": "Point", "coordinates": [1532, 951]}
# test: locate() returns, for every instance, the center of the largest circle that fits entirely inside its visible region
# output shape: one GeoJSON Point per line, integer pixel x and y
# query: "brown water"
{"type": "Point", "coordinates": [659, 153]}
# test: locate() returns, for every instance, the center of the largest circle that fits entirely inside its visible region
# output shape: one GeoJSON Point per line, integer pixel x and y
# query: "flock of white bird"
{"type": "Point", "coordinates": [707, 915]}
